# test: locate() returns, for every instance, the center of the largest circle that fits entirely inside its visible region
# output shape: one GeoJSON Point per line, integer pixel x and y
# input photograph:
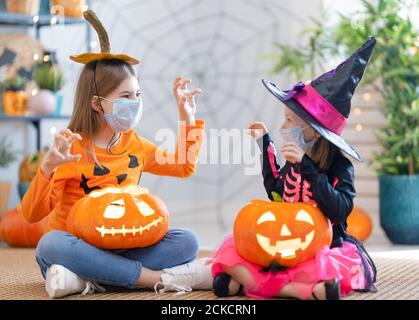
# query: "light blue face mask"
{"type": "Point", "coordinates": [125, 114]}
{"type": "Point", "coordinates": [296, 134]}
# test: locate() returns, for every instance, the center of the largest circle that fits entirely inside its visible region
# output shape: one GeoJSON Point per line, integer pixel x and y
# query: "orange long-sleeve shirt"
{"type": "Point", "coordinates": [71, 181]}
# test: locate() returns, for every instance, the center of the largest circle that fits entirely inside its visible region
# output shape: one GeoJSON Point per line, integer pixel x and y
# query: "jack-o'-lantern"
{"type": "Point", "coordinates": [15, 103]}
{"type": "Point", "coordinates": [30, 165]}
{"type": "Point", "coordinates": [269, 232]}
{"type": "Point", "coordinates": [119, 218]}
{"type": "Point", "coordinates": [359, 224]}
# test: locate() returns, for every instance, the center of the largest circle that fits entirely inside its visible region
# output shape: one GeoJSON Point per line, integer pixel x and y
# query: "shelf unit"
{"type": "Point", "coordinates": [36, 122]}
{"type": "Point", "coordinates": [44, 19]}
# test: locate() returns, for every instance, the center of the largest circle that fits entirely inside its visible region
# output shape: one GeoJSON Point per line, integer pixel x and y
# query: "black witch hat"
{"type": "Point", "coordinates": [325, 103]}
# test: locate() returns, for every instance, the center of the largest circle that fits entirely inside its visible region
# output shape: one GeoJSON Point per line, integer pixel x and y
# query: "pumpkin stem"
{"type": "Point", "coordinates": [91, 17]}
{"type": "Point", "coordinates": [276, 196]}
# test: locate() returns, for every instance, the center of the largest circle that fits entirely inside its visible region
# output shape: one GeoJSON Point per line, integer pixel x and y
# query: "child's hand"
{"type": "Point", "coordinates": [185, 99]}
{"type": "Point", "coordinates": [60, 152]}
{"type": "Point", "coordinates": [257, 130]}
{"type": "Point", "coordinates": [292, 152]}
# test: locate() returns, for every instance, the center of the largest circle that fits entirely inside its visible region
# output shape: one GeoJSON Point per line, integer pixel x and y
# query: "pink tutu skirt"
{"type": "Point", "coordinates": [343, 263]}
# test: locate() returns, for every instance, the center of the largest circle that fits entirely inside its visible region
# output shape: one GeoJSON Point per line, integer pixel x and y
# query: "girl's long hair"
{"type": "Point", "coordinates": [323, 153]}
{"type": "Point", "coordinates": [86, 121]}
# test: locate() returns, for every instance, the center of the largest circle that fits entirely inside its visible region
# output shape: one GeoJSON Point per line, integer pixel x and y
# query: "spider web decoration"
{"type": "Point", "coordinates": [219, 45]}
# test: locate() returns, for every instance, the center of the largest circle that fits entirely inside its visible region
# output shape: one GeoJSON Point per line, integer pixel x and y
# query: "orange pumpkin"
{"type": "Point", "coordinates": [359, 224]}
{"type": "Point", "coordinates": [29, 166]}
{"type": "Point", "coordinates": [71, 8]}
{"type": "Point", "coordinates": [17, 232]}
{"type": "Point", "coordinates": [285, 233]}
{"type": "Point", "coordinates": [15, 103]}
{"type": "Point", "coordinates": [119, 218]}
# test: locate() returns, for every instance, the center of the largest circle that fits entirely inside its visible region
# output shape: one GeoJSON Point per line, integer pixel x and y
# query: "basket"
{"type": "Point", "coordinates": [70, 8]}
{"type": "Point", "coordinates": [26, 7]}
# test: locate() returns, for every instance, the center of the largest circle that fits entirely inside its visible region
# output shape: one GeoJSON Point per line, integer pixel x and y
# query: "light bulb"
{"type": "Point", "coordinates": [366, 96]}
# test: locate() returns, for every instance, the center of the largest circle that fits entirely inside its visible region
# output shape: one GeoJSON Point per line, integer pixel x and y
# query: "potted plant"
{"type": "Point", "coordinates": [49, 80]}
{"type": "Point", "coordinates": [14, 96]}
{"type": "Point", "coordinates": [6, 157]}
{"type": "Point", "coordinates": [393, 71]}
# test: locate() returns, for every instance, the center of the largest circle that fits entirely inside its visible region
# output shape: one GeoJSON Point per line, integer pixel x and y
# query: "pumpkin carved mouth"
{"type": "Point", "coordinates": [134, 230]}
{"type": "Point", "coordinates": [285, 248]}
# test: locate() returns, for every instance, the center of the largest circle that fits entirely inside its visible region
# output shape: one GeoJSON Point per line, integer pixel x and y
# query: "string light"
{"type": "Point", "coordinates": [53, 130]}
{"type": "Point", "coordinates": [357, 111]}
{"type": "Point", "coordinates": [413, 50]}
{"type": "Point", "coordinates": [358, 127]}
{"type": "Point", "coordinates": [84, 8]}
{"type": "Point", "coordinates": [35, 19]}
{"type": "Point", "coordinates": [93, 44]}
{"type": "Point", "coordinates": [34, 92]}
{"type": "Point", "coordinates": [35, 57]}
{"type": "Point", "coordinates": [53, 20]}
{"type": "Point", "coordinates": [46, 58]}
{"type": "Point", "coordinates": [366, 96]}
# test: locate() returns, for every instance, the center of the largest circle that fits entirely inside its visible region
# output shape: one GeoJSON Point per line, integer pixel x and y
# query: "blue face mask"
{"type": "Point", "coordinates": [125, 114]}
{"type": "Point", "coordinates": [296, 134]}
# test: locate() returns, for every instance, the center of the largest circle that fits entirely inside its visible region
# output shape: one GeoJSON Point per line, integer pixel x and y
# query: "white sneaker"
{"type": "Point", "coordinates": [184, 278]}
{"type": "Point", "coordinates": [61, 282]}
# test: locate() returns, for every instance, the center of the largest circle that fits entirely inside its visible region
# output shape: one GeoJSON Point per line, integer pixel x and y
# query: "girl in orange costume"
{"type": "Point", "coordinates": [101, 149]}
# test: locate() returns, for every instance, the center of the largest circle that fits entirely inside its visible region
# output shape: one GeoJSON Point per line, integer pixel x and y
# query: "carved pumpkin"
{"type": "Point", "coordinates": [70, 8]}
{"type": "Point", "coordinates": [15, 103]}
{"type": "Point", "coordinates": [119, 218]}
{"type": "Point", "coordinates": [17, 232]}
{"type": "Point", "coordinates": [29, 166]}
{"type": "Point", "coordinates": [359, 224]}
{"type": "Point", "coordinates": [268, 232]}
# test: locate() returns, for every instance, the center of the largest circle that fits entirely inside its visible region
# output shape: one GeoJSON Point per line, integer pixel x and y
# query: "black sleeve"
{"type": "Point", "coordinates": [272, 179]}
{"type": "Point", "coordinates": [336, 202]}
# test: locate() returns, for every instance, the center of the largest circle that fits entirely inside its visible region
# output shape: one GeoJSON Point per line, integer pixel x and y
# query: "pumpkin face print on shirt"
{"type": "Point", "coordinates": [125, 169]}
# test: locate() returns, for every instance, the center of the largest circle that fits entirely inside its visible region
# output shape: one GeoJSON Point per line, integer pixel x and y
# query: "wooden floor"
{"type": "Point", "coordinates": [398, 278]}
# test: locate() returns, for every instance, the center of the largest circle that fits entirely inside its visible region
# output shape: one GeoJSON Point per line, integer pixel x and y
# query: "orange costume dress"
{"type": "Point", "coordinates": [132, 154]}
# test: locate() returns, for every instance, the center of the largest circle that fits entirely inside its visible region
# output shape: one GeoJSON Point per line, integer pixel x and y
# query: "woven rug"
{"type": "Point", "coordinates": [398, 278]}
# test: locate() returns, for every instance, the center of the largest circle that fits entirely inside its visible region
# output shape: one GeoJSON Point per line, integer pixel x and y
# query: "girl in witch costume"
{"type": "Point", "coordinates": [100, 149]}
{"type": "Point", "coordinates": [315, 172]}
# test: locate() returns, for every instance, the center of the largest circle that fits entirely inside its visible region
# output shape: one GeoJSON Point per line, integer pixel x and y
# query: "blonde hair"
{"type": "Point", "coordinates": [323, 153]}
{"type": "Point", "coordinates": [108, 75]}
